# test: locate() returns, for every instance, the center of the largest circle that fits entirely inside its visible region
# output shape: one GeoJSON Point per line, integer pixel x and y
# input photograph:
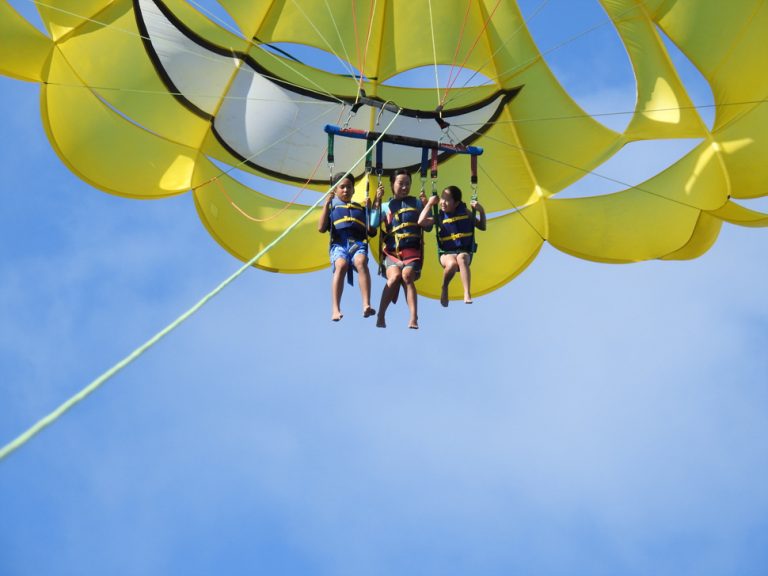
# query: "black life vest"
{"type": "Point", "coordinates": [456, 232]}
{"type": "Point", "coordinates": [347, 221]}
{"type": "Point", "coordinates": [403, 230]}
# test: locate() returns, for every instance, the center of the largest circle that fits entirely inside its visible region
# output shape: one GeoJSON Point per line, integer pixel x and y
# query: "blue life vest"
{"type": "Point", "coordinates": [403, 230]}
{"type": "Point", "coordinates": [457, 231]}
{"type": "Point", "coordinates": [347, 221]}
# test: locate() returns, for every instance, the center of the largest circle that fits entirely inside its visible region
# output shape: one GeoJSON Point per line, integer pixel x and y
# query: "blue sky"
{"type": "Point", "coordinates": [585, 419]}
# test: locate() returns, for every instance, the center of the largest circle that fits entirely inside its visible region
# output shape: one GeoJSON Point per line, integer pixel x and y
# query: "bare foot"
{"type": "Point", "coordinates": [467, 300]}
{"type": "Point", "coordinates": [414, 325]}
{"type": "Point", "coordinates": [380, 323]}
{"type": "Point", "coordinates": [368, 312]}
{"type": "Point", "coordinates": [444, 296]}
{"type": "Point", "coordinates": [337, 316]}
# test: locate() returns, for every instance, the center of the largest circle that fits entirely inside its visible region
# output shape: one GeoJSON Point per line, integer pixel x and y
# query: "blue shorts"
{"type": "Point", "coordinates": [348, 250]}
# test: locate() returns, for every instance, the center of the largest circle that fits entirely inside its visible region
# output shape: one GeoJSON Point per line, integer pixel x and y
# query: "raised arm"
{"type": "Point", "coordinates": [376, 207]}
{"type": "Point", "coordinates": [479, 215]}
{"type": "Point", "coordinates": [426, 220]}
{"type": "Point", "coordinates": [325, 220]}
{"type": "Point", "coordinates": [372, 224]}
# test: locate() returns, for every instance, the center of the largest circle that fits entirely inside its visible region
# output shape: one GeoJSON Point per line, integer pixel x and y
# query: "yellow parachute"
{"type": "Point", "coordinates": [151, 98]}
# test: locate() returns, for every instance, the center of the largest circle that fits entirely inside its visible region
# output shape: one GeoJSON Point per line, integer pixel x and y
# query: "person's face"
{"type": "Point", "coordinates": [447, 203]}
{"type": "Point", "coordinates": [344, 190]}
{"type": "Point", "coordinates": [401, 186]}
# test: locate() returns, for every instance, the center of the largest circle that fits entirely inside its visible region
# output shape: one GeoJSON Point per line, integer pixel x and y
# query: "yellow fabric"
{"type": "Point", "coordinates": [104, 148]}
{"type": "Point", "coordinates": [244, 221]}
{"type": "Point", "coordinates": [63, 17]}
{"type": "Point", "coordinates": [129, 115]}
{"type": "Point", "coordinates": [664, 109]}
{"type": "Point", "coordinates": [23, 49]}
{"type": "Point", "coordinates": [124, 77]}
{"type": "Point", "coordinates": [728, 44]}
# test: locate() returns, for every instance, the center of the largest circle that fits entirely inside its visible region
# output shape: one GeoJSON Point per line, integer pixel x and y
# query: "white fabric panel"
{"type": "Point", "coordinates": [199, 74]}
{"type": "Point", "coordinates": [279, 129]}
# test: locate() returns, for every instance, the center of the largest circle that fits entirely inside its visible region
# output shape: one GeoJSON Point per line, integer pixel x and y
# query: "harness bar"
{"type": "Point", "coordinates": [402, 140]}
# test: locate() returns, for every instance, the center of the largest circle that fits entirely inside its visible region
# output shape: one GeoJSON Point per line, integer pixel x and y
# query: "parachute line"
{"type": "Point", "coordinates": [50, 418]}
{"type": "Point", "coordinates": [224, 24]}
{"type": "Point", "coordinates": [249, 160]}
{"type": "Point", "coordinates": [344, 64]}
{"type": "Point", "coordinates": [192, 36]}
{"type": "Point", "coordinates": [288, 204]}
{"type": "Point", "coordinates": [146, 38]}
{"type": "Point", "coordinates": [434, 53]}
{"type": "Point", "coordinates": [338, 35]}
{"type": "Point", "coordinates": [362, 55]}
{"type": "Point", "coordinates": [536, 12]}
{"type": "Point", "coordinates": [82, 17]}
{"type": "Point", "coordinates": [516, 209]}
{"type": "Point", "coordinates": [624, 113]}
{"type": "Point", "coordinates": [456, 52]}
{"type": "Point", "coordinates": [243, 57]}
{"type": "Point", "coordinates": [469, 53]}
{"type": "Point", "coordinates": [177, 93]}
{"type": "Point", "coordinates": [590, 172]}
{"type": "Point", "coordinates": [540, 55]}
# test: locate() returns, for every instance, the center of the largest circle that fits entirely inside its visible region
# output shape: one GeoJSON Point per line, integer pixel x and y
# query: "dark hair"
{"type": "Point", "coordinates": [455, 193]}
{"type": "Point", "coordinates": [339, 176]}
{"type": "Point", "coordinates": [399, 172]}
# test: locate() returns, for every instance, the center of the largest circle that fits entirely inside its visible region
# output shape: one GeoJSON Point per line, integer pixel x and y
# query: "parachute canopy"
{"type": "Point", "coordinates": [151, 98]}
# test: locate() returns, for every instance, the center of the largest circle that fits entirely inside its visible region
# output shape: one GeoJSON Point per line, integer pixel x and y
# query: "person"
{"type": "Point", "coordinates": [456, 236]}
{"type": "Point", "coordinates": [349, 228]}
{"type": "Point", "coordinates": [402, 249]}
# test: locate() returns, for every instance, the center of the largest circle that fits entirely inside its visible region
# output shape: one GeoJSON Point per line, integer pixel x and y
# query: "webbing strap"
{"type": "Point", "coordinates": [348, 219]}
{"type": "Point", "coordinates": [405, 225]}
{"type": "Point", "coordinates": [435, 210]}
{"type": "Point", "coordinates": [330, 148]}
{"type": "Point", "coordinates": [455, 219]}
{"type": "Point", "coordinates": [380, 158]}
{"type": "Point", "coordinates": [456, 236]}
{"type": "Point", "coordinates": [369, 156]}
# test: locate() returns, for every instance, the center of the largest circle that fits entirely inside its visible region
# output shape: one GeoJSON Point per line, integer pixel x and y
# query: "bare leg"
{"type": "Point", "coordinates": [390, 288]}
{"type": "Point", "coordinates": [409, 277]}
{"type": "Point", "coordinates": [466, 276]}
{"type": "Point", "coordinates": [337, 287]}
{"type": "Point", "coordinates": [364, 279]}
{"type": "Point", "coordinates": [450, 267]}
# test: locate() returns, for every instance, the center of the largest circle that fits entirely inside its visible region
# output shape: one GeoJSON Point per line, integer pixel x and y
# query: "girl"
{"type": "Point", "coordinates": [402, 244]}
{"type": "Point", "coordinates": [456, 236]}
